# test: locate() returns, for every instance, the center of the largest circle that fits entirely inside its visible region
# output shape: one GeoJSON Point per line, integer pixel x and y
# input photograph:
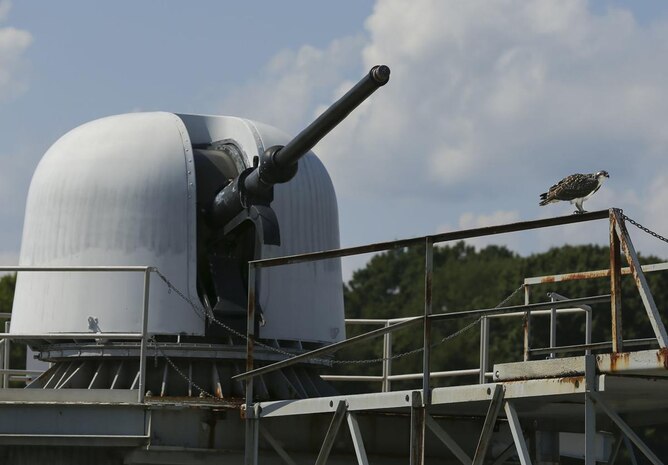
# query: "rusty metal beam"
{"type": "Point", "coordinates": [418, 424]}
{"type": "Point", "coordinates": [615, 284]}
{"type": "Point", "coordinates": [444, 237]}
{"type": "Point", "coordinates": [639, 279]}
{"type": "Point", "coordinates": [594, 274]}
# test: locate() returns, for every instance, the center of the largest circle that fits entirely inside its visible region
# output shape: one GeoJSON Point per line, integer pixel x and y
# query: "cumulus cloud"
{"type": "Point", "coordinates": [13, 44]}
{"type": "Point", "coordinates": [488, 105]}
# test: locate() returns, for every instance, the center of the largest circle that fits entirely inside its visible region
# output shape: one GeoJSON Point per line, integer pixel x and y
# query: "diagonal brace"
{"type": "Point", "coordinates": [488, 426]}
{"type": "Point", "coordinates": [356, 436]}
{"type": "Point", "coordinates": [516, 431]}
{"type": "Point", "coordinates": [334, 426]}
{"type": "Point", "coordinates": [626, 429]}
{"type": "Point", "coordinates": [446, 439]}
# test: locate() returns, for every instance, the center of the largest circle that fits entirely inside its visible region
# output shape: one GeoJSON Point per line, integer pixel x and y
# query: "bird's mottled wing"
{"type": "Point", "coordinates": [573, 187]}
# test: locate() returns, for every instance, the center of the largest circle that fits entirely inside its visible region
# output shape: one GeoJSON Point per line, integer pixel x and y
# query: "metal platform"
{"type": "Point", "coordinates": [591, 405]}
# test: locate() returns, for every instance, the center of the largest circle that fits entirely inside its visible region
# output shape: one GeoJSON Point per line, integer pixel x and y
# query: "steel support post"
{"type": "Point", "coordinates": [417, 429]}
{"type": "Point", "coordinates": [626, 430]}
{"type": "Point", "coordinates": [639, 279]}
{"type": "Point", "coordinates": [484, 349]}
{"type": "Point", "coordinates": [590, 410]}
{"type": "Point", "coordinates": [488, 427]}
{"type": "Point", "coordinates": [252, 425]}
{"type": "Point", "coordinates": [252, 433]}
{"type": "Point", "coordinates": [332, 431]}
{"type": "Point", "coordinates": [447, 440]}
{"type": "Point", "coordinates": [356, 435]}
{"type": "Point", "coordinates": [516, 431]}
{"type": "Point", "coordinates": [615, 284]}
{"type": "Point", "coordinates": [426, 353]}
{"type": "Point", "coordinates": [527, 325]}
{"type": "Point", "coordinates": [144, 335]}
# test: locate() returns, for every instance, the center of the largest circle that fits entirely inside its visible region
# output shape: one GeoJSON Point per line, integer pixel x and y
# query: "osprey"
{"type": "Point", "coordinates": [575, 188]}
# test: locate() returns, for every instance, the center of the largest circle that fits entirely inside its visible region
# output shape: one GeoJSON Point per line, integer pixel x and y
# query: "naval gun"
{"type": "Point", "coordinates": [192, 199]}
{"type": "Point", "coordinates": [251, 192]}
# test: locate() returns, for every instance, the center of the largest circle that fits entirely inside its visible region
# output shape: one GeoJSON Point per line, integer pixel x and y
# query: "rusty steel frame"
{"type": "Point", "coordinates": [420, 400]}
{"type": "Point", "coordinates": [639, 277]}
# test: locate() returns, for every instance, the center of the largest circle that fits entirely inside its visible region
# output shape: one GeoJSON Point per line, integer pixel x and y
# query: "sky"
{"type": "Point", "coordinates": [490, 102]}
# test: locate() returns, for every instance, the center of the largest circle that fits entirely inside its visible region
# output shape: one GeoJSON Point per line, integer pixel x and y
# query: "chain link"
{"type": "Point", "coordinates": [643, 228]}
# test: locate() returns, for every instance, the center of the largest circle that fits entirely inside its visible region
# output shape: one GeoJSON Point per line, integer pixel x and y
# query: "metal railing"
{"type": "Point", "coordinates": [142, 336]}
{"type": "Point", "coordinates": [619, 241]}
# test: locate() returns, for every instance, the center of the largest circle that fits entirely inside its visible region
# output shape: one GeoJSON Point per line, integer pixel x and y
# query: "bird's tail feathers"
{"type": "Point", "coordinates": [544, 200]}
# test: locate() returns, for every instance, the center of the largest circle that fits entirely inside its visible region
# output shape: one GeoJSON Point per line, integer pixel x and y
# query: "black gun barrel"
{"type": "Point", "coordinates": [279, 164]}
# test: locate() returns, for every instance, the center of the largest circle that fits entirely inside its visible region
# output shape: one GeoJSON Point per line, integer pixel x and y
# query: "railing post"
{"type": "Point", "coordinates": [426, 354]}
{"type": "Point", "coordinates": [144, 330]}
{"type": "Point", "coordinates": [484, 348]}
{"type": "Point", "coordinates": [387, 360]}
{"type": "Point", "coordinates": [252, 423]}
{"type": "Point", "coordinates": [7, 352]}
{"type": "Point", "coordinates": [553, 327]}
{"type": "Point", "coordinates": [527, 325]}
{"type": "Point", "coordinates": [615, 285]}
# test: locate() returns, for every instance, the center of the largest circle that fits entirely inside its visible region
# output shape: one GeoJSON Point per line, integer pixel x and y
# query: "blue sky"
{"type": "Point", "coordinates": [490, 102]}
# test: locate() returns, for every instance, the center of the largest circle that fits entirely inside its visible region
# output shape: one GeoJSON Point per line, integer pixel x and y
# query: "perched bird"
{"type": "Point", "coordinates": [575, 188]}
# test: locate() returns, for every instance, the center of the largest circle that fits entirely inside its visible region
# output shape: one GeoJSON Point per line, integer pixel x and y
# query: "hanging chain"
{"type": "Point", "coordinates": [204, 313]}
{"type": "Point", "coordinates": [202, 392]}
{"type": "Point", "coordinates": [643, 228]}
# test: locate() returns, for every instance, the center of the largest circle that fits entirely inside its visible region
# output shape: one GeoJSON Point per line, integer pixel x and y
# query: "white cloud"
{"type": "Point", "coordinates": [489, 104]}
{"type": "Point", "coordinates": [13, 44]}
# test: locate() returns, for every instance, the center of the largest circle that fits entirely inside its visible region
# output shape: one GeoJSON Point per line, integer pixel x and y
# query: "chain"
{"type": "Point", "coordinates": [643, 228]}
{"type": "Point", "coordinates": [202, 392]}
{"type": "Point", "coordinates": [445, 339]}
{"type": "Point", "coordinates": [204, 313]}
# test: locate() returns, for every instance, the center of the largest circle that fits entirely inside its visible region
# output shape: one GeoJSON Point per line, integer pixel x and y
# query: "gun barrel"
{"type": "Point", "coordinates": [330, 118]}
{"type": "Point", "coordinates": [279, 164]}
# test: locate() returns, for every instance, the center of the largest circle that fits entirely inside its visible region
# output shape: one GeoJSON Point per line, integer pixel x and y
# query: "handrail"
{"type": "Point", "coordinates": [142, 336]}
{"type": "Point", "coordinates": [391, 328]}
{"type": "Point", "coordinates": [619, 239]}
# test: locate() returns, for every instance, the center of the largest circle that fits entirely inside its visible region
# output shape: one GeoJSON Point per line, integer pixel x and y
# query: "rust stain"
{"type": "Point", "coordinates": [662, 357]}
{"type": "Point", "coordinates": [574, 380]}
{"type": "Point", "coordinates": [547, 279]}
{"type": "Point", "coordinates": [619, 361]}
